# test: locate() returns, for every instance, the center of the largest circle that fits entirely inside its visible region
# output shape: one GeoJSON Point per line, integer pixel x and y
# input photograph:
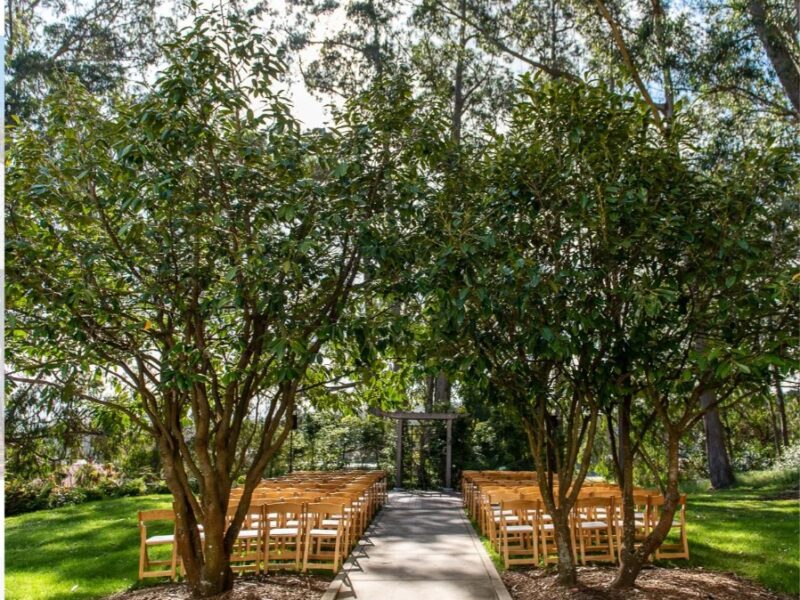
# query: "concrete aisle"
{"type": "Point", "coordinates": [421, 547]}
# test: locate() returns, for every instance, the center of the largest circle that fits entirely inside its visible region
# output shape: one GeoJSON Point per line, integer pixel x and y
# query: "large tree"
{"type": "Point", "coordinates": [588, 259]}
{"type": "Point", "coordinates": [194, 252]}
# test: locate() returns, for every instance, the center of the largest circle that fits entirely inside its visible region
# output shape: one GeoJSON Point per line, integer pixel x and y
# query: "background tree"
{"type": "Point", "coordinates": [106, 44]}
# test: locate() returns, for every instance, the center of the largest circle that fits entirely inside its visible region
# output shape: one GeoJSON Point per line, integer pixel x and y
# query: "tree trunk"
{"type": "Point", "coordinates": [631, 563]}
{"type": "Point", "coordinates": [719, 464]}
{"type": "Point", "coordinates": [216, 575]}
{"type": "Point", "coordinates": [781, 401]}
{"type": "Point", "coordinates": [776, 433]}
{"type": "Point", "coordinates": [424, 438]}
{"type": "Point", "coordinates": [206, 560]}
{"type": "Point", "coordinates": [626, 478]}
{"type": "Point", "coordinates": [778, 51]}
{"type": "Point", "coordinates": [567, 574]}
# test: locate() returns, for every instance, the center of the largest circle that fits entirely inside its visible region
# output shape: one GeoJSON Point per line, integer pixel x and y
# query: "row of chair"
{"type": "Point", "coordinates": [306, 520]}
{"type": "Point", "coordinates": [511, 513]}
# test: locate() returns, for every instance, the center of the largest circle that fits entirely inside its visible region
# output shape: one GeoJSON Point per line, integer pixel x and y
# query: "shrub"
{"type": "Point", "coordinates": [790, 461]}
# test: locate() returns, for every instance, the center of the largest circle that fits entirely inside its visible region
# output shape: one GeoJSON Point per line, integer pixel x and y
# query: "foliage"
{"type": "Point", "coordinates": [790, 461]}
{"type": "Point", "coordinates": [38, 495]}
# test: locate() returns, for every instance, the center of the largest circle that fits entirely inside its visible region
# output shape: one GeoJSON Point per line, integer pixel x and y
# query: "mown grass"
{"type": "Point", "coordinates": [81, 552]}
{"type": "Point", "coordinates": [752, 529]}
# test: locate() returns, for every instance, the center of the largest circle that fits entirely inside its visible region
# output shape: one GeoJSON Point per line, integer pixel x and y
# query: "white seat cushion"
{"type": "Point", "coordinates": [248, 534]}
{"type": "Point", "coordinates": [593, 525]}
{"type": "Point", "coordinates": [519, 528]}
{"type": "Point", "coordinates": [160, 539]}
{"type": "Point", "coordinates": [283, 531]}
{"type": "Point", "coordinates": [508, 518]}
{"type": "Point", "coordinates": [331, 522]}
{"type": "Point", "coordinates": [324, 532]}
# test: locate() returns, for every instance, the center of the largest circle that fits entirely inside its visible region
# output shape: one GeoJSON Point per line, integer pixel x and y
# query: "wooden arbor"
{"type": "Point", "coordinates": [401, 417]}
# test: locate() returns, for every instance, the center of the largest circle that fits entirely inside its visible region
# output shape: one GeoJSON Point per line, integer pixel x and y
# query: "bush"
{"type": "Point", "coordinates": [22, 497]}
{"type": "Point", "coordinates": [790, 461]}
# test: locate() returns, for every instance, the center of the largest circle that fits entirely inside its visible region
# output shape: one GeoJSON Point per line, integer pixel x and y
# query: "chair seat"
{"type": "Point", "coordinates": [160, 539]}
{"type": "Point", "coordinates": [248, 534]}
{"type": "Point", "coordinates": [333, 522]}
{"type": "Point", "coordinates": [593, 525]}
{"type": "Point", "coordinates": [509, 518]}
{"type": "Point", "coordinates": [519, 528]}
{"type": "Point", "coordinates": [637, 523]}
{"type": "Point", "coordinates": [324, 532]}
{"type": "Point", "coordinates": [284, 531]}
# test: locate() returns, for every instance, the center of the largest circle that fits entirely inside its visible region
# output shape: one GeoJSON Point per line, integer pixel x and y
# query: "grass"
{"type": "Point", "coordinates": [745, 531]}
{"type": "Point", "coordinates": [81, 552]}
{"type": "Point", "coordinates": [91, 550]}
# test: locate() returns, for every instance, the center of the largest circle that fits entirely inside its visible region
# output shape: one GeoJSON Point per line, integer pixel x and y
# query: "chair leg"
{"type": "Point", "coordinates": [142, 559]}
{"type": "Point", "coordinates": [305, 553]}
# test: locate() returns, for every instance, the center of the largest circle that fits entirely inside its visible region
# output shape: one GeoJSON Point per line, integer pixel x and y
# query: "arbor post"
{"type": "Point", "coordinates": [398, 472]}
{"type": "Point", "coordinates": [449, 458]}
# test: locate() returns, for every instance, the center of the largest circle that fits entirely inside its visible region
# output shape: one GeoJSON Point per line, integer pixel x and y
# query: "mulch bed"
{"type": "Point", "coordinates": [654, 583]}
{"type": "Point", "coordinates": [270, 587]}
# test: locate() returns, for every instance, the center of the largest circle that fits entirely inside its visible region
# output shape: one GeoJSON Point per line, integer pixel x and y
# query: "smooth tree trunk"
{"type": "Point", "coordinates": [625, 454]}
{"type": "Point", "coordinates": [567, 571]}
{"type": "Point", "coordinates": [719, 465]}
{"type": "Point", "coordinates": [776, 432]}
{"type": "Point", "coordinates": [776, 44]}
{"type": "Point", "coordinates": [424, 438]}
{"type": "Point", "coordinates": [780, 399]}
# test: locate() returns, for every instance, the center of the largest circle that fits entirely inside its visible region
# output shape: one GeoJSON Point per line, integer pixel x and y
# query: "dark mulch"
{"type": "Point", "coordinates": [269, 587]}
{"type": "Point", "coordinates": [654, 583]}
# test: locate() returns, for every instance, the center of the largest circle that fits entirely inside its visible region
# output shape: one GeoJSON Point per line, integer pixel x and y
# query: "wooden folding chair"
{"type": "Point", "coordinates": [324, 536]}
{"type": "Point", "coordinates": [519, 531]}
{"type": "Point", "coordinates": [145, 542]}
{"type": "Point", "coordinates": [594, 528]}
{"type": "Point", "coordinates": [248, 548]}
{"type": "Point", "coordinates": [283, 529]}
{"type": "Point", "coordinates": [679, 549]}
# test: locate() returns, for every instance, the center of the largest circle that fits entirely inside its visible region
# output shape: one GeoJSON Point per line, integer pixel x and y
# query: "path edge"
{"type": "Point", "coordinates": [335, 586]}
{"type": "Point", "coordinates": [500, 590]}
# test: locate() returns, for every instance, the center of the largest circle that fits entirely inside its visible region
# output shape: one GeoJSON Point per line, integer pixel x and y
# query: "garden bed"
{"type": "Point", "coordinates": [654, 583]}
{"type": "Point", "coordinates": [271, 587]}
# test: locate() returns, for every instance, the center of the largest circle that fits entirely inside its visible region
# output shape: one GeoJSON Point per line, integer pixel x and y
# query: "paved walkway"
{"type": "Point", "coordinates": [421, 547]}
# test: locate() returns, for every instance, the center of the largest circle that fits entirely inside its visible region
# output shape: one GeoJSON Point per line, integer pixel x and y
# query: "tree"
{"type": "Point", "coordinates": [778, 29]}
{"type": "Point", "coordinates": [582, 271]}
{"type": "Point", "coordinates": [105, 43]}
{"type": "Point", "coordinates": [194, 252]}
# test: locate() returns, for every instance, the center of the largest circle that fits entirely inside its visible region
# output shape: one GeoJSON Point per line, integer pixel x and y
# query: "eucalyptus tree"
{"type": "Point", "coordinates": [187, 257]}
{"type": "Point", "coordinates": [107, 44]}
{"type": "Point", "coordinates": [342, 47]}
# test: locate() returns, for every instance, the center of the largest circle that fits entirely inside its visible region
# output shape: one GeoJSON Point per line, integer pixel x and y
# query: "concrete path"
{"type": "Point", "coordinates": [421, 547]}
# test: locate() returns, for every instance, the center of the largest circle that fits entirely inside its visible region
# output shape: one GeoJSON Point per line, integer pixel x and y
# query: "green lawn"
{"type": "Point", "coordinates": [91, 550]}
{"type": "Point", "coordinates": [744, 531]}
{"type": "Point", "coordinates": [80, 552]}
